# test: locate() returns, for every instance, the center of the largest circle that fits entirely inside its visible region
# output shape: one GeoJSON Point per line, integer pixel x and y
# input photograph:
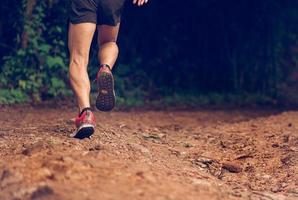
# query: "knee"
{"type": "Point", "coordinates": [79, 60]}
{"type": "Point", "coordinates": [110, 43]}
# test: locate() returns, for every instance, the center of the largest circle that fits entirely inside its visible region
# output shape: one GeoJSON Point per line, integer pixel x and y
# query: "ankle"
{"type": "Point", "coordinates": [105, 65]}
{"type": "Point", "coordinates": [81, 111]}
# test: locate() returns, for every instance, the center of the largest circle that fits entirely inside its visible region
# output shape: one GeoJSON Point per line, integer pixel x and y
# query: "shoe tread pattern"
{"type": "Point", "coordinates": [105, 100]}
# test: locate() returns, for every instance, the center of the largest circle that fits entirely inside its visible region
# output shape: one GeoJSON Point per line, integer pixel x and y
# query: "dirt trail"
{"type": "Point", "coordinates": [149, 155]}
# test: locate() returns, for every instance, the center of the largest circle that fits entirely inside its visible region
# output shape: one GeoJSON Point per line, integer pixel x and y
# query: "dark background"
{"type": "Point", "coordinates": [172, 52]}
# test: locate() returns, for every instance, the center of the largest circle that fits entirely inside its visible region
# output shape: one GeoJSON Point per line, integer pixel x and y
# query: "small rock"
{"type": "Point", "coordinates": [202, 165]}
{"type": "Point", "coordinates": [276, 189]}
{"type": "Point", "coordinates": [46, 173]}
{"type": "Point", "coordinates": [66, 159]}
{"type": "Point", "coordinates": [42, 192]}
{"type": "Point", "coordinates": [222, 144]}
{"type": "Point", "coordinates": [232, 167]}
{"type": "Point", "coordinates": [187, 145]}
{"type": "Point", "coordinates": [294, 149]}
{"type": "Point", "coordinates": [141, 148]}
{"type": "Point", "coordinates": [153, 136]}
{"type": "Point", "coordinates": [283, 185]}
{"type": "Point", "coordinates": [244, 156]}
{"type": "Point", "coordinates": [174, 151]}
{"type": "Point", "coordinates": [122, 126]}
{"type": "Point", "coordinates": [267, 176]}
{"type": "Point", "coordinates": [196, 137]}
{"type": "Point", "coordinates": [286, 160]}
{"type": "Point", "coordinates": [236, 194]}
{"type": "Point", "coordinates": [147, 176]}
{"type": "Point", "coordinates": [286, 138]}
{"type": "Point", "coordinates": [205, 160]}
{"type": "Point", "coordinates": [140, 174]}
{"type": "Point", "coordinates": [275, 145]}
{"type": "Point", "coordinates": [33, 148]}
{"type": "Point", "coordinates": [96, 148]}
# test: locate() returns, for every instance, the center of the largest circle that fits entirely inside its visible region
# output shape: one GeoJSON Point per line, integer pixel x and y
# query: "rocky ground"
{"type": "Point", "coordinates": [162, 155]}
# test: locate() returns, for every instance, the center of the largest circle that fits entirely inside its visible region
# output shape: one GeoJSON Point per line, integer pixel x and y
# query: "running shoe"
{"type": "Point", "coordinates": [106, 98]}
{"type": "Point", "coordinates": [85, 124]}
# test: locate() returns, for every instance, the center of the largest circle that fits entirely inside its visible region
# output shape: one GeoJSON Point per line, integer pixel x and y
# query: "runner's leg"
{"type": "Point", "coordinates": [108, 53]}
{"type": "Point", "coordinates": [107, 38]}
{"type": "Point", "coordinates": [80, 38]}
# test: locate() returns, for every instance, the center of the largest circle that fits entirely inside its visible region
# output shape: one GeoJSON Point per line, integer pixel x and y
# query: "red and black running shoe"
{"type": "Point", "coordinates": [106, 98]}
{"type": "Point", "coordinates": [85, 124]}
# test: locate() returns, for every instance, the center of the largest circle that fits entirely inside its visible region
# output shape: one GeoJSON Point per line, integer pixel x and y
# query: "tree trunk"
{"type": "Point", "coordinates": [27, 16]}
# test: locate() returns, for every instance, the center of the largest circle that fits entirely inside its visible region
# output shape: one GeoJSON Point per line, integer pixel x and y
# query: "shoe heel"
{"type": "Point", "coordinates": [106, 99]}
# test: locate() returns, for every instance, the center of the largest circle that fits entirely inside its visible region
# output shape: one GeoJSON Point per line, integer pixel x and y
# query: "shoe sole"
{"type": "Point", "coordinates": [106, 99]}
{"type": "Point", "coordinates": [84, 132]}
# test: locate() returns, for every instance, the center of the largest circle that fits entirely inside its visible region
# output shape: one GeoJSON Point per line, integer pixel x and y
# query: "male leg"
{"type": "Point", "coordinates": [107, 40]}
{"type": "Point", "coordinates": [107, 55]}
{"type": "Point", "coordinates": [80, 38]}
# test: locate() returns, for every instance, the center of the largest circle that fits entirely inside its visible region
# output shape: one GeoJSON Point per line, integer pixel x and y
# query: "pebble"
{"type": "Point", "coordinates": [147, 176]}
{"type": "Point", "coordinates": [33, 148]}
{"type": "Point", "coordinates": [66, 159]}
{"type": "Point", "coordinates": [275, 145]}
{"type": "Point", "coordinates": [147, 136]}
{"type": "Point", "coordinates": [232, 167]}
{"type": "Point", "coordinates": [96, 148]}
{"type": "Point", "coordinates": [204, 160]}
{"type": "Point", "coordinates": [266, 176]}
{"type": "Point", "coordinates": [276, 189]}
{"type": "Point", "coordinates": [187, 145]}
{"type": "Point", "coordinates": [46, 173]}
{"type": "Point", "coordinates": [294, 149]}
{"type": "Point", "coordinates": [42, 192]}
{"type": "Point", "coordinates": [140, 148]}
{"type": "Point", "coordinates": [285, 160]}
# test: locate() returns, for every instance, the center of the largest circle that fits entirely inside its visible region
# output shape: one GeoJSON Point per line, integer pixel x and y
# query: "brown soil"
{"type": "Point", "coordinates": [149, 155]}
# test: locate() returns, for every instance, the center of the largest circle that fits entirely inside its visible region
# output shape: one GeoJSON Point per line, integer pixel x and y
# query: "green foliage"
{"type": "Point", "coordinates": [12, 97]}
{"type": "Point", "coordinates": [38, 69]}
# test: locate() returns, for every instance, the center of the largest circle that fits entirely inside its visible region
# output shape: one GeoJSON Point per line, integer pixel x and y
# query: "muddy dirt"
{"type": "Point", "coordinates": [162, 155]}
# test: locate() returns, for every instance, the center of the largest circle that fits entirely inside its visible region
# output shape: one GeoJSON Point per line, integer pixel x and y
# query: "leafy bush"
{"type": "Point", "coordinates": [13, 96]}
{"type": "Point", "coordinates": [38, 68]}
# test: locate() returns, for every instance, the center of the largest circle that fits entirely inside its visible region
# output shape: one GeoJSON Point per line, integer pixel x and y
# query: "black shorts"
{"type": "Point", "coordinates": [101, 12]}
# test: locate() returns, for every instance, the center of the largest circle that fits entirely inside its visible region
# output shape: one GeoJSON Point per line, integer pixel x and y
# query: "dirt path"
{"type": "Point", "coordinates": [149, 155]}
